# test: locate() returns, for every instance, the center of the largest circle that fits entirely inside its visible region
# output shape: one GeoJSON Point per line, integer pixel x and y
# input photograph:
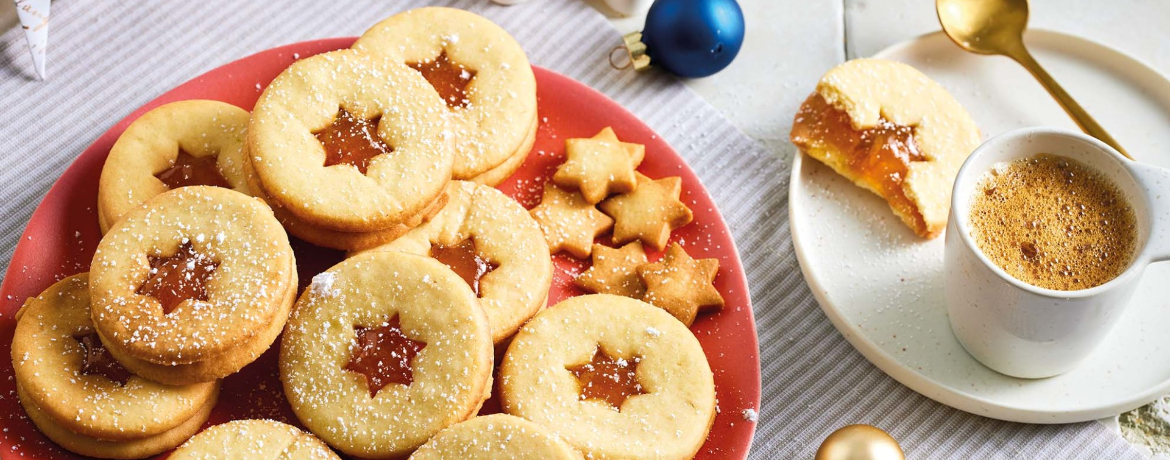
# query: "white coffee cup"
{"type": "Point", "coordinates": [1027, 331]}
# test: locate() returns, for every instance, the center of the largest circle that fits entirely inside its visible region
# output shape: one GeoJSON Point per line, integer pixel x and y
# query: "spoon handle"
{"type": "Point", "coordinates": [1074, 110]}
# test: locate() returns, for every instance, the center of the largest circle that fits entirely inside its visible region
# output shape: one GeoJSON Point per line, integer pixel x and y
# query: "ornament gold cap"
{"type": "Point", "coordinates": [635, 51]}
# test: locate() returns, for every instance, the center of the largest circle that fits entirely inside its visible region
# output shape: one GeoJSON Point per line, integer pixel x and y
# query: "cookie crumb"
{"type": "Point", "coordinates": [750, 415]}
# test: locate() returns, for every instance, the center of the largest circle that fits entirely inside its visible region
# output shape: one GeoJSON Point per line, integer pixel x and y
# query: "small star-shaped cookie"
{"type": "Point", "coordinates": [681, 285]}
{"type": "Point", "coordinates": [649, 213]}
{"type": "Point", "coordinates": [615, 271]}
{"type": "Point", "coordinates": [569, 222]}
{"type": "Point", "coordinates": [600, 166]}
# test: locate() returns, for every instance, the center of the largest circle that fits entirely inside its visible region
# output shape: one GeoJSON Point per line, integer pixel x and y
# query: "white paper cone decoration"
{"type": "Point", "coordinates": [34, 19]}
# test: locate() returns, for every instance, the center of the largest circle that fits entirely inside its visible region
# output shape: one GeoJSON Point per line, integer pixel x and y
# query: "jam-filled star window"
{"type": "Point", "coordinates": [384, 355]}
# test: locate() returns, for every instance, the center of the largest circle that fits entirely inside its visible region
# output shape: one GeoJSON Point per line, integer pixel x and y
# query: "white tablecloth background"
{"type": "Point", "coordinates": [108, 58]}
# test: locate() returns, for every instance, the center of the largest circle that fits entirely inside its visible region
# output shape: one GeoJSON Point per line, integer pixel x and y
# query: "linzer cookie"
{"type": "Point", "coordinates": [336, 239]}
{"type": "Point", "coordinates": [183, 143]}
{"type": "Point", "coordinates": [495, 246]}
{"type": "Point", "coordinates": [192, 286]}
{"type": "Point", "coordinates": [568, 221]}
{"type": "Point", "coordinates": [893, 131]}
{"type": "Point", "coordinates": [505, 170]}
{"type": "Point", "coordinates": [253, 440]}
{"type": "Point", "coordinates": [481, 74]}
{"type": "Point", "coordinates": [649, 213]}
{"type": "Point", "coordinates": [81, 398]}
{"type": "Point", "coordinates": [351, 142]}
{"type": "Point", "coordinates": [496, 437]}
{"type": "Point", "coordinates": [612, 376]}
{"type": "Point", "coordinates": [383, 351]}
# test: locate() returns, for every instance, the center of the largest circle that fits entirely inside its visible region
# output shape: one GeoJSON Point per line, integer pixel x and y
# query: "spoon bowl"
{"type": "Point", "coordinates": [985, 26]}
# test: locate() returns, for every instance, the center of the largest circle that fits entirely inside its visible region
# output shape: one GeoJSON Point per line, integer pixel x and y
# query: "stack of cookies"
{"type": "Point", "coordinates": [185, 289]}
{"type": "Point", "coordinates": [352, 148]}
{"type": "Point", "coordinates": [390, 151]}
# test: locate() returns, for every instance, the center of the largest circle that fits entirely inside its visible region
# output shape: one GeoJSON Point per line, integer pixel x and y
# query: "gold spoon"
{"type": "Point", "coordinates": [997, 27]}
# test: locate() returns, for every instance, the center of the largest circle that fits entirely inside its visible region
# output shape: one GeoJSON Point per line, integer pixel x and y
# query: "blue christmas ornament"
{"type": "Point", "coordinates": [691, 38]}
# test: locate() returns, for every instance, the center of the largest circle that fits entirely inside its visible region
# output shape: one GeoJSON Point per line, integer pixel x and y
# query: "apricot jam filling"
{"type": "Point", "coordinates": [384, 355]}
{"type": "Point", "coordinates": [178, 277]}
{"type": "Point", "coordinates": [448, 78]}
{"type": "Point", "coordinates": [878, 157]}
{"type": "Point", "coordinates": [190, 170]}
{"type": "Point", "coordinates": [351, 140]}
{"type": "Point", "coordinates": [97, 360]}
{"type": "Point", "coordinates": [465, 261]}
{"type": "Point", "coordinates": [608, 379]}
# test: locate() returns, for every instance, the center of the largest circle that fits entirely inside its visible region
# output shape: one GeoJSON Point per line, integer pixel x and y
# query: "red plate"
{"type": "Point", "coordinates": [61, 236]}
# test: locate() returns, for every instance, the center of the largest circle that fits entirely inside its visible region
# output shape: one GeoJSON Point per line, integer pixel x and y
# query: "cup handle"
{"type": "Point", "coordinates": [1156, 182]}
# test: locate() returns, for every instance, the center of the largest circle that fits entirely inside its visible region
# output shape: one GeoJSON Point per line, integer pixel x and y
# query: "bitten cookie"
{"type": "Point", "coordinates": [893, 131]}
{"type": "Point", "coordinates": [383, 351]}
{"type": "Point", "coordinates": [351, 142]}
{"type": "Point", "coordinates": [81, 398]}
{"type": "Point", "coordinates": [479, 71]}
{"type": "Point", "coordinates": [612, 376]}
{"type": "Point", "coordinates": [195, 142]}
{"type": "Point", "coordinates": [495, 246]}
{"type": "Point", "coordinates": [192, 286]}
{"type": "Point", "coordinates": [496, 437]}
{"type": "Point", "coordinates": [253, 440]}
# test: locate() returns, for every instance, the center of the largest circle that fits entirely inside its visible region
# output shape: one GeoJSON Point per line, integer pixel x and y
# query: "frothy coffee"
{"type": "Point", "coordinates": [1053, 222]}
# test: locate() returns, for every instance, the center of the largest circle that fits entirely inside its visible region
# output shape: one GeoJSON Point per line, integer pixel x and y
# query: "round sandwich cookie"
{"type": "Point", "coordinates": [499, 174]}
{"type": "Point", "coordinates": [101, 448]}
{"type": "Point", "coordinates": [253, 440]}
{"type": "Point", "coordinates": [83, 399]}
{"type": "Point", "coordinates": [384, 350]}
{"type": "Point", "coordinates": [481, 74]}
{"type": "Point", "coordinates": [192, 286]}
{"type": "Point", "coordinates": [496, 437]}
{"type": "Point", "coordinates": [196, 142]}
{"type": "Point", "coordinates": [612, 376]}
{"type": "Point", "coordinates": [335, 239]}
{"type": "Point", "coordinates": [350, 141]}
{"type": "Point", "coordinates": [490, 241]}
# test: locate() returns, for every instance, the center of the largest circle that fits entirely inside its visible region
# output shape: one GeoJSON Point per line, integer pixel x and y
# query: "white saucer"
{"type": "Point", "coordinates": [882, 287]}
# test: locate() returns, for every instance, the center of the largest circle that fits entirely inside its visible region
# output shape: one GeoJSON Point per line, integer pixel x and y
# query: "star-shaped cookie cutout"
{"type": "Point", "coordinates": [608, 379]}
{"type": "Point", "coordinates": [615, 271]}
{"type": "Point", "coordinates": [569, 222]}
{"type": "Point", "coordinates": [600, 166]}
{"type": "Point", "coordinates": [681, 285]}
{"type": "Point", "coordinates": [649, 213]}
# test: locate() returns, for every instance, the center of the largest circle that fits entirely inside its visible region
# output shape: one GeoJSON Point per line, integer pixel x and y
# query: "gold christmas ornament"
{"type": "Point", "coordinates": [860, 442]}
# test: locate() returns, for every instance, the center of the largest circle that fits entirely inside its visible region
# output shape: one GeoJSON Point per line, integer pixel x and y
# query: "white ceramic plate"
{"type": "Point", "coordinates": [882, 287]}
